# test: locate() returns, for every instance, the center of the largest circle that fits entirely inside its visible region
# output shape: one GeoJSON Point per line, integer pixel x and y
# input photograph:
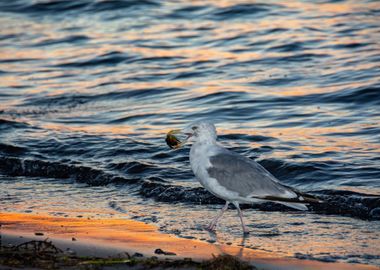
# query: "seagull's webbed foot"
{"type": "Point", "coordinates": [213, 223]}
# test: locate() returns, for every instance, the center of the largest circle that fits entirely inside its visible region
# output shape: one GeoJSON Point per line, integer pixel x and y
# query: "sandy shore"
{"type": "Point", "coordinates": [111, 237]}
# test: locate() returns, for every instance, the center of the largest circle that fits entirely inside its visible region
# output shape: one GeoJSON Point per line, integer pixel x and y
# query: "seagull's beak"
{"type": "Point", "coordinates": [174, 140]}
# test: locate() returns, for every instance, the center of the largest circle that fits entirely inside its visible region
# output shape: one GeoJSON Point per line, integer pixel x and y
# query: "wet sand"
{"type": "Point", "coordinates": [112, 237]}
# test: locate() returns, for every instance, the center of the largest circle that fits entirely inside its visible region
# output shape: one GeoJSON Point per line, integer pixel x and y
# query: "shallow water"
{"type": "Point", "coordinates": [88, 90]}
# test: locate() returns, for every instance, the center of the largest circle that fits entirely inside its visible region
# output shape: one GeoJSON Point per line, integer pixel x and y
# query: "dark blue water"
{"type": "Point", "coordinates": [88, 90]}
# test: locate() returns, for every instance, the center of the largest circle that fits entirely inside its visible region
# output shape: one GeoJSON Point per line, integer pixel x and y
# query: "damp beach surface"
{"type": "Point", "coordinates": [114, 243]}
{"type": "Point", "coordinates": [280, 234]}
{"type": "Point", "coordinates": [89, 90]}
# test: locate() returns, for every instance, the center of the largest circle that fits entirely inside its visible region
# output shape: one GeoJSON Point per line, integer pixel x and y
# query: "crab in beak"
{"type": "Point", "coordinates": [173, 138]}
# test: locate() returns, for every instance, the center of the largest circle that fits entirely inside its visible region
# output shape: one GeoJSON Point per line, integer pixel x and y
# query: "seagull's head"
{"type": "Point", "coordinates": [195, 132]}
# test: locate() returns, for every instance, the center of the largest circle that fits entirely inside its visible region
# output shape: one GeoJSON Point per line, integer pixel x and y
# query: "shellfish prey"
{"type": "Point", "coordinates": [172, 140]}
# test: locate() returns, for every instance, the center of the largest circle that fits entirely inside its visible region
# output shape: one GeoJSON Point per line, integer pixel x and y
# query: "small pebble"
{"type": "Point", "coordinates": [137, 255]}
{"type": "Point", "coordinates": [158, 251]}
{"type": "Point", "coordinates": [161, 252]}
{"type": "Point", "coordinates": [188, 237]}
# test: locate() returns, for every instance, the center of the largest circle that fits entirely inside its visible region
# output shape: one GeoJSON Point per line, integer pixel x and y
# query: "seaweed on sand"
{"type": "Point", "coordinates": [45, 255]}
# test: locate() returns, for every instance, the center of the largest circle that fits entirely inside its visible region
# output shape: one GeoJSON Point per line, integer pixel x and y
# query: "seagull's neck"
{"type": "Point", "coordinates": [199, 153]}
{"type": "Point", "coordinates": [205, 140]}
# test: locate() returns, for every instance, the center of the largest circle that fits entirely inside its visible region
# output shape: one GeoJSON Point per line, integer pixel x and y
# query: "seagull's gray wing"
{"type": "Point", "coordinates": [246, 177]}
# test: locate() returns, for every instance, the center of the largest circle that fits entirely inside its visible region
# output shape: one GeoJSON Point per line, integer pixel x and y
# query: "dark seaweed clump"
{"type": "Point", "coordinates": [335, 202]}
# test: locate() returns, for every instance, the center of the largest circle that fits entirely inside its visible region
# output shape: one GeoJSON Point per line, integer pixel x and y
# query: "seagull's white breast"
{"type": "Point", "coordinates": [200, 154]}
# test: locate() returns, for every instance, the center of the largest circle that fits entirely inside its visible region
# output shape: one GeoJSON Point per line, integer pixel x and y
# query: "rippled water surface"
{"type": "Point", "coordinates": [88, 90]}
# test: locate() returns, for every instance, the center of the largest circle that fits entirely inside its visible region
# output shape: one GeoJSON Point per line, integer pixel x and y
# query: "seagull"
{"type": "Point", "coordinates": [230, 176]}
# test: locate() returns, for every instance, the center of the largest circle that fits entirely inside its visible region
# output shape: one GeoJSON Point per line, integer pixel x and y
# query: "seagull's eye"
{"type": "Point", "coordinates": [194, 128]}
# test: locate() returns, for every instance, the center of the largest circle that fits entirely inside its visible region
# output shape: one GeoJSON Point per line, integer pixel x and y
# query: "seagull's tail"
{"type": "Point", "coordinates": [298, 206]}
{"type": "Point", "coordinates": [302, 198]}
{"type": "Point", "coordinates": [298, 202]}
{"type": "Point", "coordinates": [307, 198]}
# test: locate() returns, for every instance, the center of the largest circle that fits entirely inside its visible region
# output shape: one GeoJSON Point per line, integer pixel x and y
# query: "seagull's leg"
{"type": "Point", "coordinates": [213, 223]}
{"type": "Point", "coordinates": [245, 229]}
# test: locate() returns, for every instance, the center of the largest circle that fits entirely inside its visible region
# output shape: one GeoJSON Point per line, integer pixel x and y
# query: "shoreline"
{"type": "Point", "coordinates": [105, 238]}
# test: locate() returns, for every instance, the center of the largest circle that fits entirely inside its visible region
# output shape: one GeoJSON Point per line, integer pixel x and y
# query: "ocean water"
{"type": "Point", "coordinates": [89, 89]}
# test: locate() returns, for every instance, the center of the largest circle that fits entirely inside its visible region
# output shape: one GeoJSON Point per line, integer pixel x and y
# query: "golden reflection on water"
{"type": "Point", "coordinates": [198, 53]}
